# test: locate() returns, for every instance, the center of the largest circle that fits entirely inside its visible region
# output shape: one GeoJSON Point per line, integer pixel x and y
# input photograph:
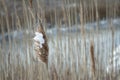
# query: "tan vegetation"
{"type": "Point", "coordinates": [71, 55]}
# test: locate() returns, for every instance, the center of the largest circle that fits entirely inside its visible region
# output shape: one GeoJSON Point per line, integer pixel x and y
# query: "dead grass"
{"type": "Point", "coordinates": [71, 56]}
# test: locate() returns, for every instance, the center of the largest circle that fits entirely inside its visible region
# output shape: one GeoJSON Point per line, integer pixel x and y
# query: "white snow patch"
{"type": "Point", "coordinates": [39, 38]}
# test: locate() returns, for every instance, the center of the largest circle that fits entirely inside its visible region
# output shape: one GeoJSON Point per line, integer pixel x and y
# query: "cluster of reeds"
{"type": "Point", "coordinates": [69, 55]}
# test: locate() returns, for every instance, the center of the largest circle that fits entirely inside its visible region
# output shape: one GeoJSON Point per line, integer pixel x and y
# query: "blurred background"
{"type": "Point", "coordinates": [82, 36]}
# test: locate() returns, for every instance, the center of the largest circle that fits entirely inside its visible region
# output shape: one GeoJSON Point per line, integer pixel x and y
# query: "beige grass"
{"type": "Point", "coordinates": [65, 56]}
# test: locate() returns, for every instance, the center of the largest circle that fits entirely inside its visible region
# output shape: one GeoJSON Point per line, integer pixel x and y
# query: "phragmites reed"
{"type": "Point", "coordinates": [30, 1]}
{"type": "Point", "coordinates": [40, 44]}
{"type": "Point", "coordinates": [42, 50]}
{"type": "Point", "coordinates": [92, 58]}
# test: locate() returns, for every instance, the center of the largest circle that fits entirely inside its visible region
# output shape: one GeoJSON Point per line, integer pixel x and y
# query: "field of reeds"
{"type": "Point", "coordinates": [82, 36]}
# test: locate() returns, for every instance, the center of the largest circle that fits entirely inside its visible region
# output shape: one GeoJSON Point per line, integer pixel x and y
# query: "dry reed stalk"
{"type": "Point", "coordinates": [53, 73]}
{"type": "Point", "coordinates": [112, 30]}
{"type": "Point", "coordinates": [82, 28]}
{"type": "Point", "coordinates": [92, 58]}
{"type": "Point", "coordinates": [30, 3]}
{"type": "Point", "coordinates": [42, 50]}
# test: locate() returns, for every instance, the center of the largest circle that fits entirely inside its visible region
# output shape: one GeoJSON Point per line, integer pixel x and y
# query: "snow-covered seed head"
{"type": "Point", "coordinates": [40, 44]}
{"type": "Point", "coordinates": [39, 39]}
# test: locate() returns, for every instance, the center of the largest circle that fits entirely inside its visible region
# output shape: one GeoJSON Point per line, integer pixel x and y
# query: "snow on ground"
{"type": "Point", "coordinates": [69, 48]}
{"type": "Point", "coordinates": [114, 62]}
{"type": "Point", "coordinates": [103, 24]}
